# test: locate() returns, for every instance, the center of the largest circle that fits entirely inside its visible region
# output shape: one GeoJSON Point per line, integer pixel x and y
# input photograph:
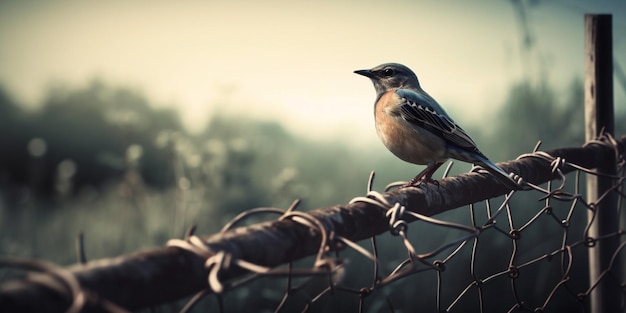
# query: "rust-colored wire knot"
{"type": "Point", "coordinates": [515, 234]}
{"type": "Point", "coordinates": [396, 222]}
{"type": "Point", "coordinates": [590, 242]}
{"type": "Point", "coordinates": [513, 272]}
{"type": "Point", "coordinates": [439, 265]}
{"type": "Point", "coordinates": [215, 264]}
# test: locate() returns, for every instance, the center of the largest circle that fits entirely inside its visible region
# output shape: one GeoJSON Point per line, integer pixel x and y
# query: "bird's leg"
{"type": "Point", "coordinates": [424, 176]}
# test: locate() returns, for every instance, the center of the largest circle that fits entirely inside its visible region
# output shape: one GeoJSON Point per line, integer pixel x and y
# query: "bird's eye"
{"type": "Point", "coordinates": [388, 72]}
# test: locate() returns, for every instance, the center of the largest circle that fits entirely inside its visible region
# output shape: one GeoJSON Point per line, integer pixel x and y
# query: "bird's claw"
{"type": "Point", "coordinates": [418, 182]}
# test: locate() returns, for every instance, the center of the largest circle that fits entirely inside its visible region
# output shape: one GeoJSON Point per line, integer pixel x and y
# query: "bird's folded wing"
{"type": "Point", "coordinates": [424, 112]}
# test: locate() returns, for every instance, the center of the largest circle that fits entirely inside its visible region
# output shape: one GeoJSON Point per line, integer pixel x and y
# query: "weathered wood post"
{"type": "Point", "coordinates": [599, 116]}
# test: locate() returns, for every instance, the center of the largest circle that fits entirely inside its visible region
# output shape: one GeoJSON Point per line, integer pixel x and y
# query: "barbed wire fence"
{"type": "Point", "coordinates": [468, 245]}
{"type": "Point", "coordinates": [223, 263]}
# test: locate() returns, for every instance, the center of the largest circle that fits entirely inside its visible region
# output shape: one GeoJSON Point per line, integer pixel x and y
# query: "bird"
{"type": "Point", "coordinates": [416, 129]}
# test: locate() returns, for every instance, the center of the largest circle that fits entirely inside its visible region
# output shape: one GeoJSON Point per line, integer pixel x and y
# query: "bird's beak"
{"type": "Point", "coordinates": [366, 73]}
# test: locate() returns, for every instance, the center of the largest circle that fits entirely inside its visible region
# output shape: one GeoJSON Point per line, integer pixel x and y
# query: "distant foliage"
{"type": "Point", "coordinates": [534, 112]}
{"type": "Point", "coordinates": [99, 135]}
{"type": "Point", "coordinates": [91, 129]}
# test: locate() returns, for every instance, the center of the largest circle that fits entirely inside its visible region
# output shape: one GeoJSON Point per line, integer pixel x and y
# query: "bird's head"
{"type": "Point", "coordinates": [390, 76]}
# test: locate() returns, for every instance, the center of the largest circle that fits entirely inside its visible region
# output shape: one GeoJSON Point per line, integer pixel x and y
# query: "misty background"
{"type": "Point", "coordinates": [130, 121]}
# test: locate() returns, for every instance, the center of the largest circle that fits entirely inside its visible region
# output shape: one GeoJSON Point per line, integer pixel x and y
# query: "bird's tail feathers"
{"type": "Point", "coordinates": [499, 173]}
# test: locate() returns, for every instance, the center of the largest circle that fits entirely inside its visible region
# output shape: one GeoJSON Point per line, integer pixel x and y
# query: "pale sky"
{"type": "Point", "coordinates": [292, 61]}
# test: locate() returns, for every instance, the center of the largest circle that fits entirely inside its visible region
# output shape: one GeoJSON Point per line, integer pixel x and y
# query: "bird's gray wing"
{"type": "Point", "coordinates": [423, 111]}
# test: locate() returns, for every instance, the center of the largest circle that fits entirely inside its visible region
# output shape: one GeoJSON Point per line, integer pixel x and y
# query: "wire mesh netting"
{"type": "Point", "coordinates": [463, 244]}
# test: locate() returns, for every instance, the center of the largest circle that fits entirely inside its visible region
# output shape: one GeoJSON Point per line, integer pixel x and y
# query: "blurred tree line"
{"type": "Point", "coordinates": [99, 134]}
{"type": "Point", "coordinates": [91, 131]}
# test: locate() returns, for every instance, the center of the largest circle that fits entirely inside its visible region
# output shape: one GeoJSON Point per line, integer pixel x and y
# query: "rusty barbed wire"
{"type": "Point", "coordinates": [558, 208]}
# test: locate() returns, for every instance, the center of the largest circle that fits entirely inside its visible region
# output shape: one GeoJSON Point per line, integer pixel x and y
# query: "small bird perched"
{"type": "Point", "coordinates": [414, 127]}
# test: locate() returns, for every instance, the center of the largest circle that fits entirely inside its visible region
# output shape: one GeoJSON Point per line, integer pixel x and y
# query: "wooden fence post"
{"type": "Point", "coordinates": [605, 297]}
